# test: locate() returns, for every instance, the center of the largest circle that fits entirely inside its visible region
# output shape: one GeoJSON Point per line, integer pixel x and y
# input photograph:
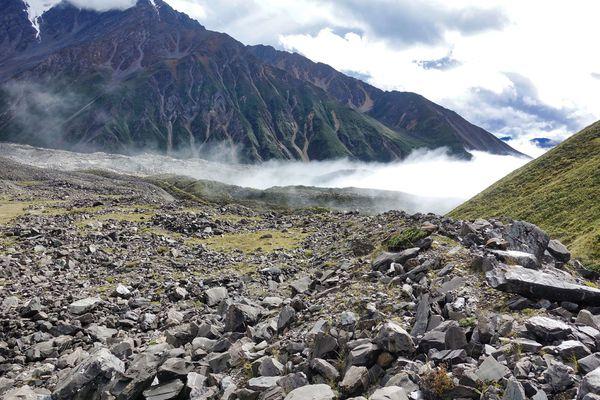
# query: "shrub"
{"type": "Point", "coordinates": [437, 384]}
{"type": "Point", "coordinates": [405, 239]}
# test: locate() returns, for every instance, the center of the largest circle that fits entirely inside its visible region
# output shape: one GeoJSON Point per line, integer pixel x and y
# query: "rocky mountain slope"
{"type": "Point", "coordinates": [151, 78]}
{"type": "Point", "coordinates": [558, 191]}
{"type": "Point", "coordinates": [114, 288]}
{"type": "Point", "coordinates": [422, 119]}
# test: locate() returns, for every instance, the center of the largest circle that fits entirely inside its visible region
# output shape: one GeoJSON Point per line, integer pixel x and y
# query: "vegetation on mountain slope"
{"type": "Point", "coordinates": [560, 192]}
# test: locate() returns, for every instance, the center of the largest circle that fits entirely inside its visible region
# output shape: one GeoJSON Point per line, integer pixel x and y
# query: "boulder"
{"type": "Point", "coordinates": [239, 316]}
{"type": "Point", "coordinates": [214, 296]}
{"type": "Point", "coordinates": [311, 392]}
{"type": "Point", "coordinates": [355, 379]}
{"type": "Point", "coordinates": [559, 251]}
{"type": "Point", "coordinates": [547, 329]}
{"type": "Point", "coordinates": [491, 370]}
{"type": "Point", "coordinates": [83, 306]}
{"type": "Point", "coordinates": [389, 393]}
{"type": "Point", "coordinates": [589, 384]}
{"type": "Point", "coordinates": [536, 284]}
{"type": "Point", "coordinates": [514, 257]}
{"type": "Point", "coordinates": [165, 391]}
{"type": "Point", "coordinates": [393, 338]}
{"type": "Point", "coordinates": [89, 378]}
{"type": "Point", "coordinates": [526, 237]}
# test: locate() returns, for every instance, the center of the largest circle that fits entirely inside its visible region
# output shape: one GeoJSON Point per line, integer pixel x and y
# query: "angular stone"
{"type": "Point", "coordinates": [531, 283]}
{"type": "Point", "coordinates": [513, 257]}
{"type": "Point", "coordinates": [391, 337]}
{"type": "Point", "coordinates": [323, 344]}
{"type": "Point", "coordinates": [491, 370]}
{"type": "Point", "coordinates": [84, 305]}
{"type": "Point", "coordinates": [215, 296]}
{"type": "Point", "coordinates": [547, 329]}
{"type": "Point", "coordinates": [455, 338]}
{"type": "Point", "coordinates": [174, 368]}
{"type": "Point", "coordinates": [524, 236]}
{"type": "Point", "coordinates": [239, 316]}
{"type": "Point", "coordinates": [88, 379]}
{"type": "Point", "coordinates": [181, 334]}
{"type": "Point", "coordinates": [559, 251]}
{"type": "Point", "coordinates": [557, 375]}
{"type": "Point", "coordinates": [514, 390]}
{"type": "Point", "coordinates": [570, 349]}
{"type": "Point", "coordinates": [263, 383]}
{"type": "Point", "coordinates": [324, 368]}
{"type": "Point", "coordinates": [165, 391]}
{"type": "Point", "coordinates": [389, 393]}
{"type": "Point", "coordinates": [311, 392]}
{"type": "Point", "coordinates": [364, 354]}
{"type": "Point", "coordinates": [589, 363]}
{"type": "Point", "coordinates": [270, 366]}
{"type": "Point", "coordinates": [355, 379]}
{"type": "Point", "coordinates": [385, 259]}
{"type": "Point", "coordinates": [286, 317]}
{"type": "Point", "coordinates": [422, 316]}
{"type": "Point", "coordinates": [301, 285]}
{"type": "Point", "coordinates": [590, 384]}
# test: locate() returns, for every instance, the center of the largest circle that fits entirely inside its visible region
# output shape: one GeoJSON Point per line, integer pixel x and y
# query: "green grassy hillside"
{"type": "Point", "coordinates": [559, 191]}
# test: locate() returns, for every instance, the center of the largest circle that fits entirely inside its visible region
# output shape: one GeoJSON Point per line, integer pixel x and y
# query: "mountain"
{"type": "Point", "coordinates": [407, 112]}
{"type": "Point", "coordinates": [559, 192]}
{"type": "Point", "coordinates": [151, 78]}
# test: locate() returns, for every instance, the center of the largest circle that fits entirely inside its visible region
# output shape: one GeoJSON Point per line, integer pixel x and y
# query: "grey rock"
{"type": "Point", "coordinates": [547, 329]}
{"type": "Point", "coordinates": [391, 337]}
{"type": "Point", "coordinates": [239, 316]}
{"type": "Point", "coordinates": [286, 317]}
{"type": "Point", "coordinates": [491, 370]}
{"type": "Point", "coordinates": [174, 368]}
{"type": "Point", "coordinates": [385, 259]}
{"type": "Point", "coordinates": [301, 286]}
{"type": "Point", "coordinates": [422, 316]}
{"type": "Point", "coordinates": [181, 334]}
{"type": "Point", "coordinates": [324, 368]}
{"type": "Point", "coordinates": [558, 376]}
{"type": "Point", "coordinates": [524, 236]}
{"type": "Point", "coordinates": [87, 379]}
{"type": "Point", "coordinates": [218, 362]}
{"type": "Point", "coordinates": [101, 333]}
{"type": "Point", "coordinates": [589, 363]}
{"type": "Point", "coordinates": [165, 391]}
{"type": "Point", "coordinates": [122, 291]}
{"type": "Point", "coordinates": [590, 384]}
{"type": "Point", "coordinates": [84, 305]}
{"type": "Point", "coordinates": [364, 354]}
{"type": "Point", "coordinates": [559, 251]}
{"type": "Point", "coordinates": [355, 379]}
{"type": "Point", "coordinates": [323, 344]}
{"type": "Point", "coordinates": [389, 393]}
{"type": "Point", "coordinates": [292, 381]}
{"type": "Point", "coordinates": [311, 392]}
{"type": "Point", "coordinates": [270, 366]}
{"type": "Point", "coordinates": [455, 338]}
{"type": "Point", "coordinates": [215, 296]}
{"type": "Point", "coordinates": [527, 282]}
{"type": "Point", "coordinates": [348, 318]}
{"type": "Point", "coordinates": [434, 339]}
{"type": "Point", "coordinates": [263, 383]}
{"type": "Point", "coordinates": [513, 257]}
{"type": "Point", "coordinates": [514, 390]}
{"type": "Point", "coordinates": [584, 317]}
{"type": "Point", "coordinates": [527, 345]}
{"type": "Point", "coordinates": [570, 349]}
{"type": "Point", "coordinates": [26, 393]}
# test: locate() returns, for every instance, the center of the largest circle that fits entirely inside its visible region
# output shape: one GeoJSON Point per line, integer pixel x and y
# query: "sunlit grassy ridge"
{"type": "Point", "coordinates": [559, 191]}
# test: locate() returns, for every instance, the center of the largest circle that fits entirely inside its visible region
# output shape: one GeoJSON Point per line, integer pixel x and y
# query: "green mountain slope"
{"type": "Point", "coordinates": [559, 191]}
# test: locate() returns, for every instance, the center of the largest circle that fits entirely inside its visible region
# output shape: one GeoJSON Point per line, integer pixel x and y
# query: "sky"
{"type": "Point", "coordinates": [522, 69]}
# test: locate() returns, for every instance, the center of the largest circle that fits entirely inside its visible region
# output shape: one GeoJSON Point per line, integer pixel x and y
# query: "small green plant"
{"type": "Point", "coordinates": [405, 239]}
{"type": "Point", "coordinates": [468, 322]}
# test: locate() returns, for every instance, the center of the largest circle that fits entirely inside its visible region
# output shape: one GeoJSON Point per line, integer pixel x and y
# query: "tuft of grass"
{"type": "Point", "coordinates": [405, 239]}
{"type": "Point", "coordinates": [558, 192]}
{"type": "Point", "coordinates": [265, 241]}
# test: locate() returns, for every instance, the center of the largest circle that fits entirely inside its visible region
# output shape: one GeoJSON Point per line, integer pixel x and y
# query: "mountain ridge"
{"type": "Point", "coordinates": [557, 191]}
{"type": "Point", "coordinates": [152, 78]}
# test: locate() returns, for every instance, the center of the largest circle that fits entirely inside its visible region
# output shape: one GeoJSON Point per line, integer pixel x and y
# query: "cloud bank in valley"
{"type": "Point", "coordinates": [442, 182]}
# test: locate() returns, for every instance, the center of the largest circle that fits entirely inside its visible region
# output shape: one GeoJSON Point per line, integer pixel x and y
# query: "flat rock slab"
{"type": "Point", "coordinates": [537, 284]}
{"type": "Point", "coordinates": [311, 392]}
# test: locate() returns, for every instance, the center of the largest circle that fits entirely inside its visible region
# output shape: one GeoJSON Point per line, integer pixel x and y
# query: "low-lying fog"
{"type": "Point", "coordinates": [443, 180]}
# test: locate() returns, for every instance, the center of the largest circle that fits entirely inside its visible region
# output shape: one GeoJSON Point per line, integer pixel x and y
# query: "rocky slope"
{"type": "Point", "coordinates": [151, 78]}
{"type": "Point", "coordinates": [558, 191]}
{"type": "Point", "coordinates": [422, 119]}
{"type": "Point", "coordinates": [113, 288]}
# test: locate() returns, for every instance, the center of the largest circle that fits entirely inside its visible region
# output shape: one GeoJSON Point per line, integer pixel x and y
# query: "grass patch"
{"type": "Point", "coordinates": [558, 192]}
{"type": "Point", "coordinates": [405, 239]}
{"type": "Point", "coordinates": [260, 241]}
{"type": "Point", "coordinates": [12, 210]}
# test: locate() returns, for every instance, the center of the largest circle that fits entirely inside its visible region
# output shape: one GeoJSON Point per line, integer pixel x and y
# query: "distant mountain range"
{"type": "Point", "coordinates": [151, 78]}
{"type": "Point", "coordinates": [558, 192]}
